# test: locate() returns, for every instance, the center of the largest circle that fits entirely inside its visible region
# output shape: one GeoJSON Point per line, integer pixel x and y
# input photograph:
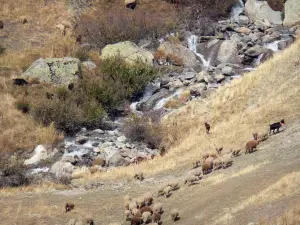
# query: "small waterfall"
{"type": "Point", "coordinates": [160, 104]}
{"type": "Point", "coordinates": [192, 43]}
{"type": "Point", "coordinates": [257, 61]}
{"type": "Point", "coordinates": [236, 10]}
{"type": "Point", "coordinates": [273, 46]}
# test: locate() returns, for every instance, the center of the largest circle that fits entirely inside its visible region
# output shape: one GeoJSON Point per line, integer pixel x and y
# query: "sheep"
{"type": "Point", "coordinates": [1, 24]}
{"type": "Point", "coordinates": [160, 190]}
{"type": "Point", "coordinates": [136, 220]}
{"type": "Point", "coordinates": [89, 221]}
{"type": "Point", "coordinates": [167, 191]}
{"type": "Point", "coordinates": [69, 207]}
{"type": "Point", "coordinates": [146, 216]}
{"type": "Point", "coordinates": [276, 126]}
{"type": "Point", "coordinates": [217, 163]}
{"type": "Point", "coordinates": [226, 161]}
{"type": "Point", "coordinates": [190, 180]}
{"type": "Point", "coordinates": [205, 156]}
{"type": "Point", "coordinates": [156, 218]}
{"type": "Point", "coordinates": [127, 215]}
{"type": "Point", "coordinates": [197, 172]}
{"type": "Point", "coordinates": [72, 222]}
{"type": "Point", "coordinates": [157, 208]}
{"type": "Point", "coordinates": [174, 214]}
{"type": "Point", "coordinates": [209, 159]}
{"type": "Point", "coordinates": [146, 209]}
{"type": "Point", "coordinates": [207, 167]}
{"type": "Point", "coordinates": [207, 127]}
{"type": "Point", "coordinates": [262, 137]}
{"type": "Point", "coordinates": [136, 212]}
{"type": "Point", "coordinates": [139, 176]}
{"type": "Point", "coordinates": [127, 198]}
{"type": "Point", "coordinates": [219, 150]}
{"type": "Point", "coordinates": [250, 146]}
{"type": "Point", "coordinates": [235, 152]}
{"type": "Point", "coordinates": [254, 134]}
{"type": "Point", "coordinates": [126, 204]}
{"type": "Point", "coordinates": [196, 164]}
{"type": "Point", "coordinates": [132, 205]}
{"type": "Point", "coordinates": [61, 28]}
{"type": "Point", "coordinates": [67, 24]}
{"type": "Point", "coordinates": [23, 20]}
{"type": "Point", "coordinates": [212, 155]}
{"type": "Point", "coordinates": [140, 201]}
{"type": "Point", "coordinates": [148, 198]}
{"type": "Point", "coordinates": [173, 184]}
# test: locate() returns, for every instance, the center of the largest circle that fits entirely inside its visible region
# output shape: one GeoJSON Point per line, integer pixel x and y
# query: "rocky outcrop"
{"type": "Point", "coordinates": [129, 51]}
{"type": "Point", "coordinates": [260, 10]}
{"type": "Point", "coordinates": [291, 13]}
{"type": "Point", "coordinates": [228, 52]}
{"type": "Point", "coordinates": [54, 70]}
{"type": "Point", "coordinates": [179, 51]}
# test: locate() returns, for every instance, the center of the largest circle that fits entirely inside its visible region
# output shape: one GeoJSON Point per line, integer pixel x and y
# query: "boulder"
{"type": "Point", "coordinates": [227, 70]}
{"type": "Point", "coordinates": [243, 20]}
{"type": "Point", "coordinates": [129, 51]}
{"type": "Point", "coordinates": [208, 78]}
{"type": "Point", "coordinates": [256, 51]}
{"type": "Point", "coordinates": [82, 139]}
{"type": "Point", "coordinates": [197, 89]}
{"type": "Point", "coordinates": [54, 70]}
{"type": "Point", "coordinates": [243, 30]}
{"type": "Point", "coordinates": [284, 44]}
{"type": "Point", "coordinates": [260, 10]}
{"type": "Point", "coordinates": [219, 77]}
{"type": "Point", "coordinates": [228, 52]}
{"type": "Point", "coordinates": [62, 168]}
{"type": "Point", "coordinates": [40, 153]}
{"type": "Point", "coordinates": [149, 104]}
{"type": "Point", "coordinates": [188, 57]}
{"type": "Point", "coordinates": [116, 160]}
{"type": "Point", "coordinates": [291, 12]}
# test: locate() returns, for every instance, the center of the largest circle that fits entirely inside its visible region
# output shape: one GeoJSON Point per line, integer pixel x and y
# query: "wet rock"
{"type": "Point", "coordinates": [208, 79]}
{"type": "Point", "coordinates": [97, 132]}
{"type": "Point", "coordinates": [228, 52]}
{"type": "Point", "coordinates": [149, 104]}
{"type": "Point", "coordinates": [243, 20]}
{"type": "Point", "coordinates": [219, 77]}
{"type": "Point", "coordinates": [82, 139]}
{"type": "Point", "coordinates": [227, 70]}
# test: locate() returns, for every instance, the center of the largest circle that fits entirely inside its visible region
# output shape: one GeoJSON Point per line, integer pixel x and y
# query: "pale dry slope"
{"type": "Point", "coordinates": [251, 103]}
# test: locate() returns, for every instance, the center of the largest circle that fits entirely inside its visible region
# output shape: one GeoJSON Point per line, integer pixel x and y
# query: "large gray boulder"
{"type": "Point", "coordinates": [291, 12]}
{"type": "Point", "coordinates": [129, 51]}
{"type": "Point", "coordinates": [54, 70]}
{"type": "Point", "coordinates": [186, 55]}
{"type": "Point", "coordinates": [260, 10]}
{"type": "Point", "coordinates": [228, 52]}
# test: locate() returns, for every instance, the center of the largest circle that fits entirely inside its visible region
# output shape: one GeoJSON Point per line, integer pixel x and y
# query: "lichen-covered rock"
{"type": "Point", "coordinates": [291, 12]}
{"type": "Point", "coordinates": [127, 50]}
{"type": "Point", "coordinates": [54, 70]}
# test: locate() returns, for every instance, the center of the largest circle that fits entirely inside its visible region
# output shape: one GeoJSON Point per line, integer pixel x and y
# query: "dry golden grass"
{"type": "Point", "coordinates": [285, 186]}
{"type": "Point", "coordinates": [291, 217]}
{"type": "Point", "coordinates": [266, 95]}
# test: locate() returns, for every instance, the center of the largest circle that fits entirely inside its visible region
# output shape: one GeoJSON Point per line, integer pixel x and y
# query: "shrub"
{"type": "Point", "coordinates": [13, 172]}
{"type": "Point", "coordinates": [111, 22]}
{"type": "Point", "coordinates": [143, 129]}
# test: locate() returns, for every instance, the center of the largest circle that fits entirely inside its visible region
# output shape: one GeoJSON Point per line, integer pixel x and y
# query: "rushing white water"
{"type": "Point", "coordinates": [236, 10]}
{"type": "Point", "coordinates": [273, 46]}
{"type": "Point", "coordinates": [39, 170]}
{"type": "Point", "coordinates": [192, 43]}
{"type": "Point", "coordinates": [257, 61]}
{"type": "Point", "coordinates": [161, 103]}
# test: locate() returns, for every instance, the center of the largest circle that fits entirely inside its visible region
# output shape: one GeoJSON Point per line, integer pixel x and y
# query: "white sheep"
{"type": "Point", "coordinates": [127, 214]}
{"type": "Point", "coordinates": [226, 160]}
{"type": "Point", "coordinates": [160, 190]}
{"type": "Point", "coordinates": [157, 208]}
{"type": "Point", "coordinates": [197, 172]}
{"type": "Point", "coordinates": [140, 201]}
{"type": "Point", "coordinates": [132, 205]}
{"type": "Point", "coordinates": [62, 29]}
{"type": "Point", "coordinates": [146, 216]}
{"type": "Point", "coordinates": [191, 179]}
{"type": "Point", "coordinates": [127, 198]}
{"type": "Point", "coordinates": [136, 212]}
{"type": "Point", "coordinates": [167, 191]}
{"type": "Point", "coordinates": [148, 198]}
{"type": "Point", "coordinates": [174, 214]}
{"type": "Point", "coordinates": [173, 184]}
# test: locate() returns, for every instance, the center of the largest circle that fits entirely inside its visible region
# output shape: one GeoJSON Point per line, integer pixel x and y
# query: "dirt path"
{"type": "Point", "coordinates": [202, 203]}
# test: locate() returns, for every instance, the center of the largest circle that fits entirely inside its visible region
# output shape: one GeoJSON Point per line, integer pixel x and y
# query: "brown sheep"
{"type": "Point", "coordinates": [174, 214]}
{"type": "Point", "coordinates": [69, 207]}
{"type": "Point", "coordinates": [250, 146]}
{"type": "Point", "coordinates": [146, 209]}
{"type": "Point", "coordinates": [207, 167]}
{"type": "Point", "coordinates": [156, 218]}
{"type": "Point", "coordinates": [136, 220]}
{"type": "Point", "coordinates": [1, 24]}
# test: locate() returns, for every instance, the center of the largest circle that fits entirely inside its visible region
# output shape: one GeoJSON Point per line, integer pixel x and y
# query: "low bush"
{"type": "Point", "coordinates": [111, 22]}
{"type": "Point", "coordinates": [12, 173]}
{"type": "Point", "coordinates": [23, 106]}
{"type": "Point", "coordinates": [143, 129]}
{"type": "Point", "coordinates": [94, 96]}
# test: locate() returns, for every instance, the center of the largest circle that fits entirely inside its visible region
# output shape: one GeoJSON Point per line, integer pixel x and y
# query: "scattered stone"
{"type": "Point", "coordinates": [227, 70]}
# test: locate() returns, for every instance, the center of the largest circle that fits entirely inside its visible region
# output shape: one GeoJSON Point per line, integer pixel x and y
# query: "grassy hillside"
{"type": "Point", "coordinates": [251, 103]}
